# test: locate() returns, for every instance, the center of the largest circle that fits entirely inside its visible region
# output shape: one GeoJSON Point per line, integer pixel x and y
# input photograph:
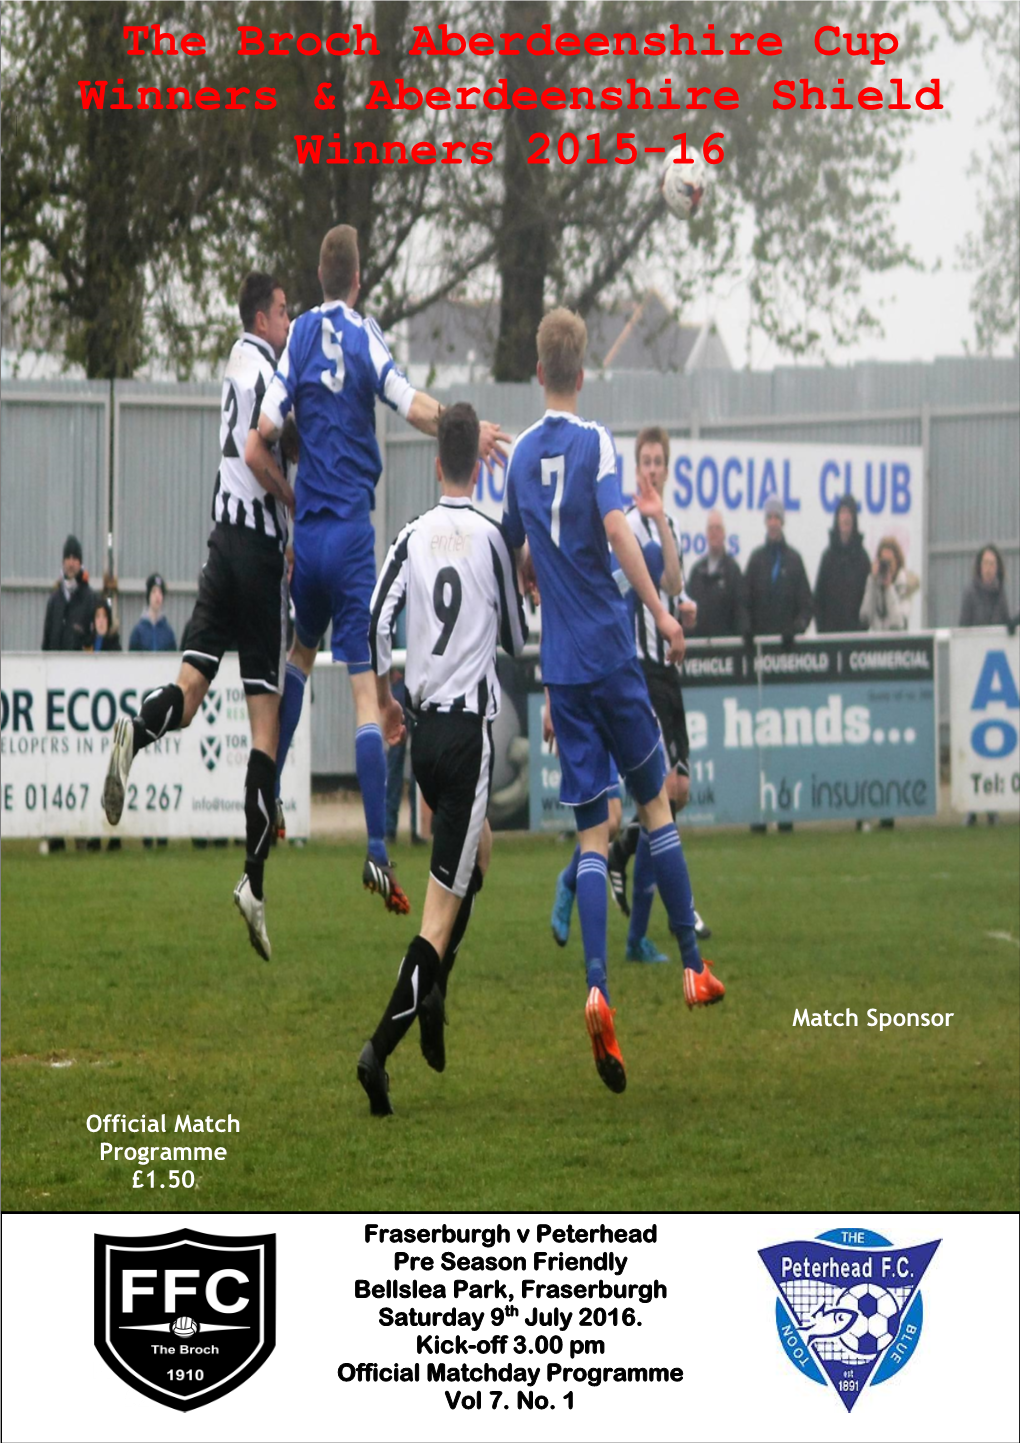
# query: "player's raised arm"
{"type": "Point", "coordinates": [424, 413]}
{"type": "Point", "coordinates": [631, 559]}
{"type": "Point", "coordinates": [418, 408]}
{"type": "Point", "coordinates": [649, 503]}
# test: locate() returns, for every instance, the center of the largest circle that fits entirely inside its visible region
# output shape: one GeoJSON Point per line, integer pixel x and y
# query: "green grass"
{"type": "Point", "coordinates": [136, 967]}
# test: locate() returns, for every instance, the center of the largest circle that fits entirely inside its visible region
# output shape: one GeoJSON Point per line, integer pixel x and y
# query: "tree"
{"type": "Point", "coordinates": [994, 250]}
{"type": "Point", "coordinates": [814, 188]}
{"type": "Point", "coordinates": [131, 229]}
{"type": "Point", "coordinates": [98, 208]}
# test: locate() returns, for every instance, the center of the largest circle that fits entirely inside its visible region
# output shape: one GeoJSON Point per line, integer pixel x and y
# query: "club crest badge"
{"type": "Point", "coordinates": [849, 1309]}
{"type": "Point", "coordinates": [185, 1317]}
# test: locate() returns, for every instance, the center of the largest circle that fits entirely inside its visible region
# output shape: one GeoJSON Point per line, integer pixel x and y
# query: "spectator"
{"type": "Point", "coordinates": [152, 630]}
{"type": "Point", "coordinates": [890, 589]}
{"type": "Point", "coordinates": [984, 601]}
{"type": "Point", "coordinates": [71, 607]}
{"type": "Point", "coordinates": [842, 574]}
{"type": "Point", "coordinates": [716, 586]}
{"type": "Point", "coordinates": [106, 634]}
{"type": "Point", "coordinates": [776, 588]}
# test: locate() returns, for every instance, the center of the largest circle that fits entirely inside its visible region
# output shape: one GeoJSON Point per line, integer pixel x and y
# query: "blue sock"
{"type": "Point", "coordinates": [643, 892]}
{"type": "Point", "coordinates": [674, 884]}
{"type": "Point", "coordinates": [569, 873]}
{"type": "Point", "coordinates": [290, 714]}
{"type": "Point", "coordinates": [370, 760]}
{"type": "Point", "coordinates": [593, 909]}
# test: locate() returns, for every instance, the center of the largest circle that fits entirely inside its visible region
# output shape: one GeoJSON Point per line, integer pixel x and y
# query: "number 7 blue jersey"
{"type": "Point", "coordinates": [561, 483]}
{"type": "Point", "coordinates": [335, 364]}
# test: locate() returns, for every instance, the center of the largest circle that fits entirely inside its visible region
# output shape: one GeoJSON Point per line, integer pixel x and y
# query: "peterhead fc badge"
{"type": "Point", "coordinates": [849, 1309]}
{"type": "Point", "coordinates": [185, 1317]}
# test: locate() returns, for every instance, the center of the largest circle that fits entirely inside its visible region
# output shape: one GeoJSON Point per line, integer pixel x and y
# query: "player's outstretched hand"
{"type": "Point", "coordinates": [647, 499]}
{"type": "Point", "coordinates": [673, 635]}
{"type": "Point", "coordinates": [392, 718]}
{"type": "Point", "coordinates": [492, 442]}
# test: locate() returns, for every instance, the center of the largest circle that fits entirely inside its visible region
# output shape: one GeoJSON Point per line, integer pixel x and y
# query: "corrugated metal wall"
{"type": "Point", "coordinates": [54, 478]}
{"type": "Point", "coordinates": [56, 464]}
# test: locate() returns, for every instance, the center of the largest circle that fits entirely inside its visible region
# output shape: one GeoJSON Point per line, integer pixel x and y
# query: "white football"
{"type": "Point", "coordinates": [684, 185]}
{"type": "Point", "coordinates": [184, 1327]}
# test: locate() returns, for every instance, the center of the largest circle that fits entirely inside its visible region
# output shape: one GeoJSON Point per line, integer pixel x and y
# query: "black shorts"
{"type": "Point", "coordinates": [242, 606]}
{"type": "Point", "coordinates": [668, 704]}
{"type": "Point", "coordinates": [451, 757]}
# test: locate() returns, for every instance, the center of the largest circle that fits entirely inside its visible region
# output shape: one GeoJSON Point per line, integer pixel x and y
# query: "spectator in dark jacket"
{"type": "Point", "coordinates": [984, 601]}
{"type": "Point", "coordinates": [842, 574]}
{"type": "Point", "coordinates": [776, 588]}
{"type": "Point", "coordinates": [152, 631]}
{"type": "Point", "coordinates": [717, 586]}
{"type": "Point", "coordinates": [107, 636]}
{"type": "Point", "coordinates": [71, 607]}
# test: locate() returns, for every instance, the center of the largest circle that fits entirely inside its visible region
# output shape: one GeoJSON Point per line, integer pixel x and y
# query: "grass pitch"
{"type": "Point", "coordinates": [136, 971]}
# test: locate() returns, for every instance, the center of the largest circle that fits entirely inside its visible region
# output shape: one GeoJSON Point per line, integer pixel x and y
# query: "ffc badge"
{"type": "Point", "coordinates": [849, 1308]}
{"type": "Point", "coordinates": [185, 1317]}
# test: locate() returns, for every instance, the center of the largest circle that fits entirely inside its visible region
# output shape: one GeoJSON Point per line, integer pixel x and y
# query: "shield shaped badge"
{"type": "Point", "coordinates": [185, 1317]}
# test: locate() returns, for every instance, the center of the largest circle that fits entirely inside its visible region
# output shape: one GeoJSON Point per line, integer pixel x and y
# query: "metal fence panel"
{"type": "Point", "coordinates": [53, 460]}
{"type": "Point", "coordinates": [333, 722]}
{"type": "Point", "coordinates": [167, 454]}
{"type": "Point", "coordinates": [54, 456]}
{"type": "Point", "coordinates": [975, 471]}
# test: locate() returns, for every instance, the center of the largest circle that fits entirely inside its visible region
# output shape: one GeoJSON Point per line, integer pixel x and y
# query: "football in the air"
{"type": "Point", "coordinates": [684, 184]}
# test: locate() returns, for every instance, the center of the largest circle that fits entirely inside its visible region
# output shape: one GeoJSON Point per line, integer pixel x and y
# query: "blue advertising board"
{"type": "Point", "coordinates": [821, 731]}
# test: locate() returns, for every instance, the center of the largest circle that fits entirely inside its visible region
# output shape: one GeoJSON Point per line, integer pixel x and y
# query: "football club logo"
{"type": "Point", "coordinates": [849, 1308]}
{"type": "Point", "coordinates": [211, 703]}
{"type": "Point", "coordinates": [185, 1317]}
{"type": "Point", "coordinates": [212, 749]}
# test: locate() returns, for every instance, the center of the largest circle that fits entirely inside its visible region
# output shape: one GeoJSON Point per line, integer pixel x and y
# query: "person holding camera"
{"type": "Point", "coordinates": [889, 590]}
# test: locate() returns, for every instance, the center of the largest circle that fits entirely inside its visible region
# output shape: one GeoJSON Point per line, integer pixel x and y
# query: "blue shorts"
{"type": "Point", "coordinates": [334, 577]}
{"type": "Point", "coordinates": [602, 721]}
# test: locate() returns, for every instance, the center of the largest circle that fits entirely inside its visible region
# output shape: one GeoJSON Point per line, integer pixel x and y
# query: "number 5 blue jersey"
{"type": "Point", "coordinates": [335, 364]}
{"type": "Point", "coordinates": [561, 482]}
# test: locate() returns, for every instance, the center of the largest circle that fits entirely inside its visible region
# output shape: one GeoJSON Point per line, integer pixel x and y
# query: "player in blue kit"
{"type": "Point", "coordinates": [334, 367]}
{"type": "Point", "coordinates": [563, 501]}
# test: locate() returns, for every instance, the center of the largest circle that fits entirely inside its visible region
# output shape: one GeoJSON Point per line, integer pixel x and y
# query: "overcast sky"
{"type": "Point", "coordinates": [924, 315]}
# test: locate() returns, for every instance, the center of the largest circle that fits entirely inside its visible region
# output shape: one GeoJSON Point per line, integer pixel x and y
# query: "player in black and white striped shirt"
{"type": "Point", "coordinates": [242, 599]}
{"type": "Point", "coordinates": [453, 571]}
{"type": "Point", "coordinates": [657, 536]}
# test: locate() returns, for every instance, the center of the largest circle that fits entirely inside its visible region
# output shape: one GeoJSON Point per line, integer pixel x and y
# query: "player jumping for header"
{"type": "Point", "coordinates": [335, 365]}
{"type": "Point", "coordinates": [242, 600]}
{"type": "Point", "coordinates": [563, 500]}
{"type": "Point", "coordinates": [453, 569]}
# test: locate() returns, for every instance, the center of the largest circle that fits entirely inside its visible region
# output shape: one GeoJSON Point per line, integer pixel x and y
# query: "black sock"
{"type": "Point", "coordinates": [625, 843]}
{"type": "Point", "coordinates": [162, 711]}
{"type": "Point", "coordinates": [417, 973]}
{"type": "Point", "coordinates": [460, 927]}
{"type": "Point", "coordinates": [259, 808]}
